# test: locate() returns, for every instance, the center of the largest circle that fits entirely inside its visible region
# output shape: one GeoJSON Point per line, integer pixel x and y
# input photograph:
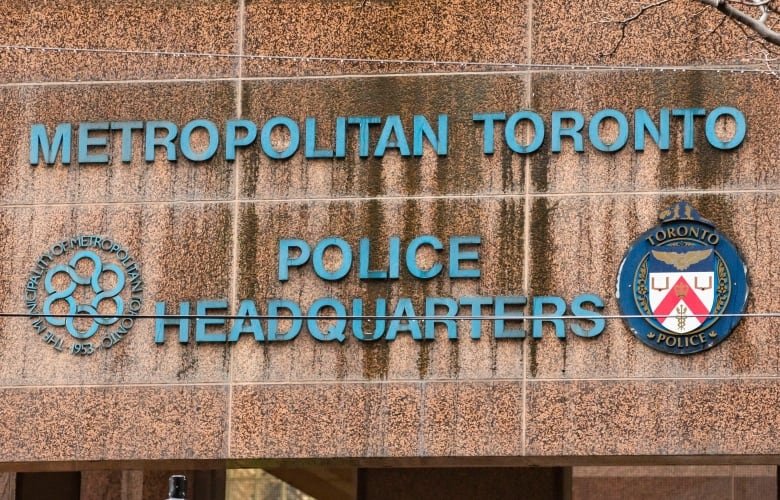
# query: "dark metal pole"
{"type": "Point", "coordinates": [177, 488]}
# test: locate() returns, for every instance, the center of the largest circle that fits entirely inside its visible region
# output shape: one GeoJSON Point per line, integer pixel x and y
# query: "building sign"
{"type": "Point", "coordinates": [682, 285]}
{"type": "Point", "coordinates": [682, 288]}
{"type": "Point", "coordinates": [83, 294]}
{"type": "Point", "coordinates": [88, 142]}
{"type": "Point", "coordinates": [458, 258]}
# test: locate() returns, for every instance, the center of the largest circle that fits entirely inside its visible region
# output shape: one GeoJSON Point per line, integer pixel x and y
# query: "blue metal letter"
{"type": "Point", "coordinates": [127, 137]}
{"type": "Point", "coordinates": [488, 142]}
{"type": "Point", "coordinates": [431, 303]}
{"type": "Point", "coordinates": [643, 123]}
{"type": "Point", "coordinates": [394, 258]}
{"type": "Point", "coordinates": [688, 115]}
{"type": "Point", "coordinates": [182, 323]}
{"type": "Point", "coordinates": [404, 309]}
{"type": "Point", "coordinates": [319, 261]}
{"type": "Point", "coordinates": [500, 310]}
{"type": "Point", "coordinates": [555, 317]}
{"type": "Point", "coordinates": [457, 255]}
{"type": "Point", "coordinates": [411, 257]}
{"type": "Point", "coordinates": [202, 309]}
{"type": "Point", "coordinates": [247, 311]}
{"type": "Point", "coordinates": [39, 141]}
{"type": "Point", "coordinates": [274, 309]}
{"type": "Point", "coordinates": [511, 125]}
{"type": "Point", "coordinates": [575, 131]}
{"type": "Point", "coordinates": [476, 304]}
{"type": "Point", "coordinates": [341, 137]}
{"type": "Point", "coordinates": [739, 132]}
{"type": "Point", "coordinates": [232, 141]}
{"type": "Point", "coordinates": [578, 310]}
{"type": "Point", "coordinates": [364, 263]}
{"type": "Point", "coordinates": [593, 130]}
{"type": "Point", "coordinates": [171, 131]}
{"type": "Point", "coordinates": [364, 138]}
{"type": "Point", "coordinates": [357, 323]}
{"type": "Point", "coordinates": [393, 126]}
{"type": "Point", "coordinates": [423, 129]}
{"type": "Point", "coordinates": [265, 137]}
{"type": "Point", "coordinates": [310, 144]}
{"type": "Point", "coordinates": [336, 332]}
{"type": "Point", "coordinates": [85, 141]}
{"type": "Point", "coordinates": [186, 143]}
{"type": "Point", "coordinates": [286, 261]}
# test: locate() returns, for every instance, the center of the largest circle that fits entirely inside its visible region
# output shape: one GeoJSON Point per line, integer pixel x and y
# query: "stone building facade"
{"type": "Point", "coordinates": [537, 417]}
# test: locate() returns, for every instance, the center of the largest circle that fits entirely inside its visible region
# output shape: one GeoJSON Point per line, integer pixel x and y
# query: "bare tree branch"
{"type": "Point", "coordinates": [757, 25]}
{"type": "Point", "coordinates": [758, 20]}
{"type": "Point", "coordinates": [628, 20]}
{"type": "Point", "coordinates": [765, 49]}
{"type": "Point", "coordinates": [751, 3]}
{"type": "Point", "coordinates": [715, 29]}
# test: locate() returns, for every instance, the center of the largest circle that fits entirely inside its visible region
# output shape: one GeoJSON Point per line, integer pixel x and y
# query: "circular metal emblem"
{"type": "Point", "coordinates": [682, 284]}
{"type": "Point", "coordinates": [83, 293]}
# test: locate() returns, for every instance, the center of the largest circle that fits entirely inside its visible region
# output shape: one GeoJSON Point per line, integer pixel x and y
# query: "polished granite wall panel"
{"type": "Point", "coordinates": [376, 419]}
{"type": "Point", "coordinates": [184, 252]}
{"type": "Point", "coordinates": [113, 423]}
{"type": "Point", "coordinates": [589, 32]}
{"type": "Point", "coordinates": [138, 180]}
{"type": "Point", "coordinates": [465, 169]}
{"type": "Point", "coordinates": [404, 398]}
{"type": "Point", "coordinates": [755, 164]}
{"type": "Point", "coordinates": [498, 222]}
{"type": "Point", "coordinates": [577, 245]}
{"type": "Point", "coordinates": [406, 30]}
{"type": "Point", "coordinates": [321, 420]}
{"type": "Point", "coordinates": [473, 418]}
{"type": "Point", "coordinates": [139, 26]}
{"type": "Point", "coordinates": [652, 417]}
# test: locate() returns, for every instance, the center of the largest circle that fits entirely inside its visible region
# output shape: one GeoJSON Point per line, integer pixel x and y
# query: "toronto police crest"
{"type": "Point", "coordinates": [682, 284]}
{"type": "Point", "coordinates": [83, 294]}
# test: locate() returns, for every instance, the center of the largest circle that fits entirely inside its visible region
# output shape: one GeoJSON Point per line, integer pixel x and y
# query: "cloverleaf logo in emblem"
{"type": "Point", "coordinates": [94, 282]}
{"type": "Point", "coordinates": [83, 294]}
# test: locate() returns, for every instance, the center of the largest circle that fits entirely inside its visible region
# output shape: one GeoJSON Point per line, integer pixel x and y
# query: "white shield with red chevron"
{"type": "Point", "coordinates": [682, 286]}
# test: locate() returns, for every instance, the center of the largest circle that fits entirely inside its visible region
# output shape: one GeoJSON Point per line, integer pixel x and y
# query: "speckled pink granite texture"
{"type": "Point", "coordinates": [551, 224]}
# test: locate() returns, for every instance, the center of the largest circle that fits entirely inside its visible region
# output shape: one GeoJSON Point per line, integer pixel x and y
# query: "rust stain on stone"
{"type": "Point", "coordinates": [454, 360]}
{"type": "Point", "coordinates": [376, 355]}
{"type": "Point", "coordinates": [376, 358]}
{"type": "Point", "coordinates": [250, 159]}
{"type": "Point", "coordinates": [423, 359]}
{"type": "Point", "coordinates": [542, 244]}
{"type": "Point", "coordinates": [720, 210]}
{"type": "Point", "coordinates": [247, 248]}
{"type": "Point", "coordinates": [542, 260]}
{"type": "Point", "coordinates": [341, 364]}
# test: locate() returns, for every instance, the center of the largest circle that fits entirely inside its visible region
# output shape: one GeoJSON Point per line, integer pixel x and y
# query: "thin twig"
{"type": "Point", "coordinates": [625, 22]}
{"type": "Point", "coordinates": [756, 25]}
{"type": "Point", "coordinates": [713, 30]}
{"type": "Point", "coordinates": [751, 3]}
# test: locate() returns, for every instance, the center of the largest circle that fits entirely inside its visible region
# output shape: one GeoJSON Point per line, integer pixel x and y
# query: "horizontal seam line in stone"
{"type": "Point", "coordinates": [507, 380]}
{"type": "Point", "coordinates": [114, 385]}
{"type": "Point", "coordinates": [357, 59]}
{"type": "Point", "coordinates": [293, 78]}
{"type": "Point", "coordinates": [496, 196]}
{"type": "Point", "coordinates": [409, 382]}
{"type": "Point", "coordinates": [115, 82]}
